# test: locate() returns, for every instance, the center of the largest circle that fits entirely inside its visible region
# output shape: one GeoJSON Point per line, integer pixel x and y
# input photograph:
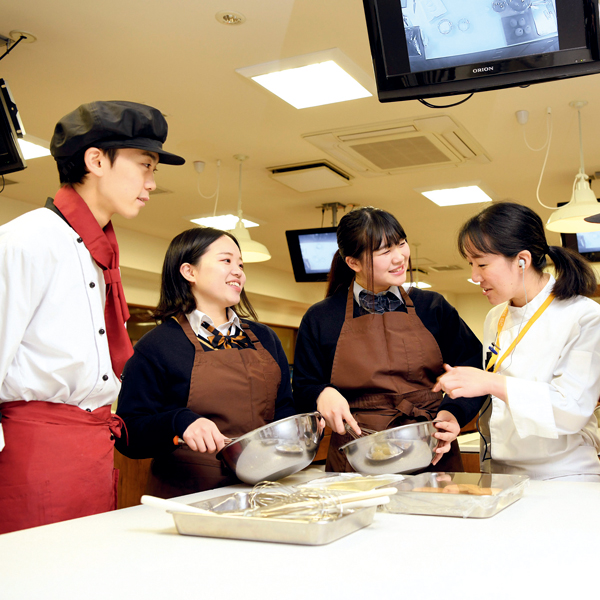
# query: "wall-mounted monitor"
{"type": "Point", "coordinates": [311, 252]}
{"type": "Point", "coordinates": [587, 244]}
{"type": "Point", "coordinates": [11, 157]}
{"type": "Point", "coordinates": [430, 48]}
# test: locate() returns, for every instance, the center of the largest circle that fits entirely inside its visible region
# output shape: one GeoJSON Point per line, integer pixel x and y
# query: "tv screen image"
{"type": "Point", "coordinates": [431, 48]}
{"type": "Point", "coordinates": [588, 242]}
{"type": "Point", "coordinates": [451, 33]}
{"type": "Point", "coordinates": [311, 252]}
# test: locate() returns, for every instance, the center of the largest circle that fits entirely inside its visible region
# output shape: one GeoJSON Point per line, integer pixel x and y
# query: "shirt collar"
{"type": "Point", "coordinates": [197, 317]}
{"type": "Point", "coordinates": [358, 289]}
{"type": "Point", "coordinates": [530, 308]}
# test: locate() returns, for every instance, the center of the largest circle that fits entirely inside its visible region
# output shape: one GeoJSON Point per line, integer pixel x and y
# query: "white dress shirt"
{"type": "Point", "coordinates": [53, 344]}
{"type": "Point", "coordinates": [197, 317]}
{"type": "Point", "coordinates": [357, 289]}
{"type": "Point", "coordinates": [547, 429]}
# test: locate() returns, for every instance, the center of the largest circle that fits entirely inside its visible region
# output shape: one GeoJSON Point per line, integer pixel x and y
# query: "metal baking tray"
{"type": "Point", "coordinates": [257, 529]}
{"type": "Point", "coordinates": [410, 498]}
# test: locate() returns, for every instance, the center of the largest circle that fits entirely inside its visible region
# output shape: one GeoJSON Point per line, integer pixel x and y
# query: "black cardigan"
{"type": "Point", "coordinates": [320, 330]}
{"type": "Point", "coordinates": [156, 385]}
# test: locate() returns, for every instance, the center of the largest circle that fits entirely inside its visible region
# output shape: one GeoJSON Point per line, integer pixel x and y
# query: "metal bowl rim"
{"type": "Point", "coordinates": [264, 427]}
{"type": "Point", "coordinates": [360, 439]}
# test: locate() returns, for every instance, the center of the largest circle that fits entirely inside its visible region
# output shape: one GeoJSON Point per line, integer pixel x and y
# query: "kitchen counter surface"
{"type": "Point", "coordinates": [544, 545]}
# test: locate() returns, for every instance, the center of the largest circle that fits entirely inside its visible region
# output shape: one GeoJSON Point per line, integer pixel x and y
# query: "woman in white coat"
{"type": "Point", "coordinates": [541, 347]}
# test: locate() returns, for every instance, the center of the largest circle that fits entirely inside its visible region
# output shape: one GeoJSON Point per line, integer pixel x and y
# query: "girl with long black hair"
{"type": "Point", "coordinates": [369, 354]}
{"type": "Point", "coordinates": [542, 341]}
{"type": "Point", "coordinates": [206, 373]}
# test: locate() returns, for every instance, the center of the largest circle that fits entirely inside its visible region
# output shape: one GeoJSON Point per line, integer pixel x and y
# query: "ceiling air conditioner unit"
{"type": "Point", "coordinates": [395, 147]}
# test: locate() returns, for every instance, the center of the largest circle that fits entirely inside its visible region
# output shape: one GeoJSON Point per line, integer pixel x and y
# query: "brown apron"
{"type": "Point", "coordinates": [234, 388]}
{"type": "Point", "coordinates": [385, 366]}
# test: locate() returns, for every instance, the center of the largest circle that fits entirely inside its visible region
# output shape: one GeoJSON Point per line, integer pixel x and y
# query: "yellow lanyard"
{"type": "Point", "coordinates": [494, 361]}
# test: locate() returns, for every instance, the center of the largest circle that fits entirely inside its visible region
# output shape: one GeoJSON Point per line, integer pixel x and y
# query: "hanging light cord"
{"type": "Point", "coordinates": [547, 146]}
{"type": "Point", "coordinates": [239, 208]}
{"type": "Point", "coordinates": [216, 192]}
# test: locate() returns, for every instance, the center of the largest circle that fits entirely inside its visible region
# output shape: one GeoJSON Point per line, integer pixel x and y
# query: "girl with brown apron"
{"type": "Point", "coordinates": [188, 378]}
{"type": "Point", "coordinates": [373, 363]}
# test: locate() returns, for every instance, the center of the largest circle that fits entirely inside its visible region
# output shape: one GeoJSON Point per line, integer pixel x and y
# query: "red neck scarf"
{"type": "Point", "coordinates": [102, 245]}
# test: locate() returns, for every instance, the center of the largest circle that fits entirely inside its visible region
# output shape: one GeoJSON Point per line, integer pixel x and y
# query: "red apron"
{"type": "Point", "coordinates": [57, 463]}
{"type": "Point", "coordinates": [385, 366]}
{"type": "Point", "coordinates": [234, 388]}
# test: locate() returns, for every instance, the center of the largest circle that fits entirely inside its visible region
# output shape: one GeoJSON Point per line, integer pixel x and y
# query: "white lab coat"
{"type": "Point", "coordinates": [547, 429]}
{"type": "Point", "coordinates": [52, 297]}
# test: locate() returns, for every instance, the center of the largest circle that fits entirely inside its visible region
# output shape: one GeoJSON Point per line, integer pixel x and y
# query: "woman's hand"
{"type": "Point", "coordinates": [448, 430]}
{"type": "Point", "coordinates": [469, 382]}
{"type": "Point", "coordinates": [335, 410]}
{"type": "Point", "coordinates": [204, 436]}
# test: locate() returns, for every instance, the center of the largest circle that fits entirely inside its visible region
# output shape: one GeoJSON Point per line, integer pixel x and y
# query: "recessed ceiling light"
{"type": "Point", "coordinates": [224, 222]}
{"type": "Point", "coordinates": [228, 17]}
{"type": "Point", "coordinates": [468, 194]}
{"type": "Point", "coordinates": [312, 79]}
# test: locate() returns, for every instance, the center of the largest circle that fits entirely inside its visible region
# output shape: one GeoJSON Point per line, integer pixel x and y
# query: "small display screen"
{"type": "Point", "coordinates": [449, 33]}
{"type": "Point", "coordinates": [317, 250]}
{"type": "Point", "coordinates": [588, 242]}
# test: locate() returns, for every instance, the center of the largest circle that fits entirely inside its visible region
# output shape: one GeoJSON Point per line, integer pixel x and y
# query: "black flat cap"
{"type": "Point", "coordinates": [115, 124]}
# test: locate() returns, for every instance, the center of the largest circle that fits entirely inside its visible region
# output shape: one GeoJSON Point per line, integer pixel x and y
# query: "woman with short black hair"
{"type": "Point", "coordinates": [204, 374]}
{"type": "Point", "coordinates": [369, 354]}
{"type": "Point", "coordinates": [543, 349]}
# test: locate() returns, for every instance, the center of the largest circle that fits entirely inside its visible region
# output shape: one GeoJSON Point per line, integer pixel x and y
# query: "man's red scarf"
{"type": "Point", "coordinates": [102, 245]}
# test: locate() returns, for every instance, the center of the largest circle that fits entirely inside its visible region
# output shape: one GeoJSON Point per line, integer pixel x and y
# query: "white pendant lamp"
{"type": "Point", "coordinates": [583, 204]}
{"type": "Point", "coordinates": [251, 251]}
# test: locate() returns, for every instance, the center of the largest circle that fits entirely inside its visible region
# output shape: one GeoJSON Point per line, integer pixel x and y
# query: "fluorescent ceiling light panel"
{"type": "Point", "coordinates": [419, 284]}
{"type": "Point", "coordinates": [223, 222]}
{"type": "Point", "coordinates": [33, 147]}
{"type": "Point", "coordinates": [312, 79]}
{"type": "Point", "coordinates": [473, 282]}
{"type": "Point", "coordinates": [470, 194]}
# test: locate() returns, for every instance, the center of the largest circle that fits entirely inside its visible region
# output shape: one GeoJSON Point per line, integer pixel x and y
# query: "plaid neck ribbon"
{"type": "Point", "coordinates": [378, 303]}
{"type": "Point", "coordinates": [218, 341]}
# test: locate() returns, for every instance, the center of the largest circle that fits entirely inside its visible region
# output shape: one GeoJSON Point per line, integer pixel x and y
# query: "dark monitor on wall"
{"type": "Point", "coordinates": [311, 252]}
{"type": "Point", "coordinates": [587, 244]}
{"type": "Point", "coordinates": [430, 48]}
{"type": "Point", "coordinates": [11, 157]}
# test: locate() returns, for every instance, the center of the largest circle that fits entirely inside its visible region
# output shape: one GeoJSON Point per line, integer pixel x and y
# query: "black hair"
{"type": "Point", "coordinates": [176, 297]}
{"type": "Point", "coordinates": [507, 228]}
{"type": "Point", "coordinates": [361, 232]}
{"type": "Point", "coordinates": [73, 169]}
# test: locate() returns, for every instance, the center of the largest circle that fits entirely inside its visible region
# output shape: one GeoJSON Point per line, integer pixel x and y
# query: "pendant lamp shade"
{"type": "Point", "coordinates": [251, 251]}
{"type": "Point", "coordinates": [571, 218]}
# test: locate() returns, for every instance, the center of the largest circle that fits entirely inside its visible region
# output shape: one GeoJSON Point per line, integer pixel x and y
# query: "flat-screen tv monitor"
{"type": "Point", "coordinates": [11, 157]}
{"type": "Point", "coordinates": [311, 252]}
{"type": "Point", "coordinates": [431, 48]}
{"type": "Point", "coordinates": [587, 244]}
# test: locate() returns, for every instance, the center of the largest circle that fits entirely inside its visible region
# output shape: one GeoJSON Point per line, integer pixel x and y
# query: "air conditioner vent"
{"type": "Point", "coordinates": [403, 153]}
{"type": "Point", "coordinates": [394, 147]}
{"type": "Point", "coordinates": [309, 177]}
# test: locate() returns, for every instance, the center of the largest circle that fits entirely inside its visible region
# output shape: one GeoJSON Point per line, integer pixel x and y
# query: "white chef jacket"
{"type": "Point", "coordinates": [547, 429]}
{"type": "Point", "coordinates": [53, 344]}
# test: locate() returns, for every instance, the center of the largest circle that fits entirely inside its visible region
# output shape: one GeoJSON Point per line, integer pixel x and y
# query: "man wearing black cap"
{"type": "Point", "coordinates": [63, 342]}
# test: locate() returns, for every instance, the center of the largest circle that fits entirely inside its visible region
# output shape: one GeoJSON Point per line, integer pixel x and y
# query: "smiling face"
{"type": "Point", "coordinates": [390, 264]}
{"type": "Point", "coordinates": [124, 186]}
{"type": "Point", "coordinates": [217, 280]}
{"type": "Point", "coordinates": [500, 278]}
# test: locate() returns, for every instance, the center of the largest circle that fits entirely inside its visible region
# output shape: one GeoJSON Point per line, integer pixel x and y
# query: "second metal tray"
{"type": "Point", "coordinates": [284, 531]}
{"type": "Point", "coordinates": [424, 494]}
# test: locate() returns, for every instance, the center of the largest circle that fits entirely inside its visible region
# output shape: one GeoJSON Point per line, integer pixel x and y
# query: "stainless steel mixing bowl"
{"type": "Point", "coordinates": [275, 450]}
{"type": "Point", "coordinates": [402, 449]}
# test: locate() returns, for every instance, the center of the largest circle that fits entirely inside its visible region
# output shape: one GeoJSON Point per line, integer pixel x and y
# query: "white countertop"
{"type": "Point", "coordinates": [544, 545]}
